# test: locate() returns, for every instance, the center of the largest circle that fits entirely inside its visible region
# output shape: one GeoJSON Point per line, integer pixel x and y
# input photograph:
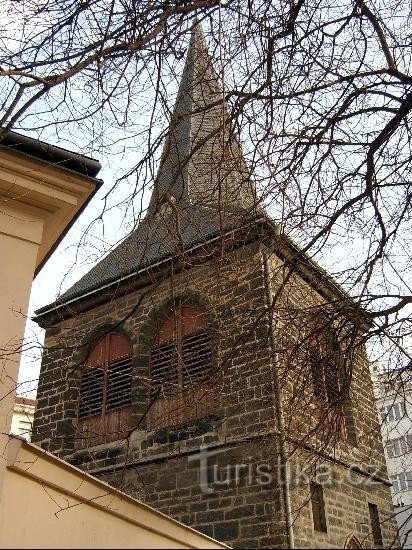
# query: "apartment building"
{"type": "Point", "coordinates": [394, 401]}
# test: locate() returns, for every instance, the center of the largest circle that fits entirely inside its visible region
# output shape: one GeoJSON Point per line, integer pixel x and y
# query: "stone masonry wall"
{"type": "Point", "coordinates": [362, 443]}
{"type": "Point", "coordinates": [219, 473]}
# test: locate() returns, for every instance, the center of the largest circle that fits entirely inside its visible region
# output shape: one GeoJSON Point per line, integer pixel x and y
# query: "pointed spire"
{"type": "Point", "coordinates": [202, 161]}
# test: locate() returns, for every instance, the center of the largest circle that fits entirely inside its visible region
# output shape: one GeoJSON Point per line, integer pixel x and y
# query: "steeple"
{"type": "Point", "coordinates": [202, 188]}
{"type": "Point", "coordinates": [202, 161]}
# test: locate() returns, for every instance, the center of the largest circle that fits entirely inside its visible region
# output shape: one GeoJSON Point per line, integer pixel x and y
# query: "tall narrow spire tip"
{"type": "Point", "coordinates": [202, 162]}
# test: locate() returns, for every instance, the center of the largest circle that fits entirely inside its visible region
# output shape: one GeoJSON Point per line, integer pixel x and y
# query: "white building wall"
{"type": "Point", "coordinates": [393, 394]}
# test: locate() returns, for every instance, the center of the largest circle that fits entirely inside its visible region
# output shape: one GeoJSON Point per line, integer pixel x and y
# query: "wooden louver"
{"type": "Point", "coordinates": [197, 357]}
{"type": "Point", "coordinates": [328, 379]}
{"type": "Point", "coordinates": [180, 363]}
{"type": "Point", "coordinates": [91, 392]}
{"type": "Point", "coordinates": [196, 360]}
{"type": "Point", "coordinates": [164, 375]}
{"type": "Point", "coordinates": [119, 385]}
{"type": "Point", "coordinates": [105, 392]}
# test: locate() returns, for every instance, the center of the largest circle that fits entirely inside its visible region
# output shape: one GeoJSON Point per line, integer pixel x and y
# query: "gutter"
{"type": "Point", "coordinates": [282, 454]}
{"type": "Point", "coordinates": [49, 309]}
{"type": "Point", "coordinates": [62, 159]}
{"type": "Point", "coordinates": [302, 262]}
{"type": "Point", "coordinates": [50, 153]}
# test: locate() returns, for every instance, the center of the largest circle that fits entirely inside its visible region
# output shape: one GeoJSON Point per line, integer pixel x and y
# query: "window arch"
{"type": "Point", "coordinates": [329, 382]}
{"type": "Point", "coordinates": [105, 392]}
{"type": "Point", "coordinates": [180, 363]}
{"type": "Point", "coordinates": [353, 543]}
{"type": "Point", "coordinates": [326, 366]}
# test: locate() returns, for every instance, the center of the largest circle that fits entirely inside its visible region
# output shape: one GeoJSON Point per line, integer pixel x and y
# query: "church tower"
{"type": "Point", "coordinates": [209, 368]}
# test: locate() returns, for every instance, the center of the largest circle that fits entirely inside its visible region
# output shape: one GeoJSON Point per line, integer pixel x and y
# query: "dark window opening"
{"type": "Point", "coordinates": [393, 412]}
{"type": "Point", "coordinates": [105, 392]}
{"type": "Point", "coordinates": [326, 369]}
{"type": "Point", "coordinates": [181, 359]}
{"type": "Point", "coordinates": [318, 507]}
{"type": "Point", "coordinates": [375, 524]}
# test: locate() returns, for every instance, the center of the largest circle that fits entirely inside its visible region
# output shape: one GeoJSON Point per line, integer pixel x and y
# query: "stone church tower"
{"type": "Point", "coordinates": [210, 368]}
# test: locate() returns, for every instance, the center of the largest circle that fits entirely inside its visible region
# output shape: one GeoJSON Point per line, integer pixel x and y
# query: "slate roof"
{"type": "Point", "coordinates": [203, 186]}
{"type": "Point", "coordinates": [156, 238]}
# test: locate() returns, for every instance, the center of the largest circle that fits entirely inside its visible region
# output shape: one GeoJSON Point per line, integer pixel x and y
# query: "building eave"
{"type": "Point", "coordinates": [45, 187]}
{"type": "Point", "coordinates": [281, 244]}
{"type": "Point", "coordinates": [50, 154]}
{"type": "Point", "coordinates": [42, 315]}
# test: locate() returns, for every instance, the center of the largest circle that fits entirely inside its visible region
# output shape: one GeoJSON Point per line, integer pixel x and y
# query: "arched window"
{"type": "Point", "coordinates": [180, 363]}
{"type": "Point", "coordinates": [329, 382]}
{"type": "Point", "coordinates": [326, 366]}
{"type": "Point", "coordinates": [353, 543]}
{"type": "Point", "coordinates": [105, 392]}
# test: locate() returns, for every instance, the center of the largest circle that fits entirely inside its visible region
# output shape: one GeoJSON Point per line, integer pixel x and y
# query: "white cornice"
{"type": "Point", "coordinates": [31, 189]}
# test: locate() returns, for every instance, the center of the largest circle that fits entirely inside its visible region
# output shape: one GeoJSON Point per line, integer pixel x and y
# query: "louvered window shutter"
{"type": "Point", "coordinates": [164, 372]}
{"type": "Point", "coordinates": [181, 359]}
{"type": "Point", "coordinates": [91, 392]}
{"type": "Point", "coordinates": [197, 357]}
{"type": "Point", "coordinates": [119, 383]}
{"type": "Point", "coordinates": [105, 392]}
